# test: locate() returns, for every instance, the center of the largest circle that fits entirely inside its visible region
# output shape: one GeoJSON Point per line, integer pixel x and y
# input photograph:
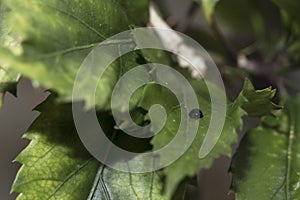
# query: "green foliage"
{"type": "Point", "coordinates": [8, 77]}
{"type": "Point", "coordinates": [258, 103]}
{"type": "Point", "coordinates": [56, 49]}
{"type": "Point", "coordinates": [47, 40]}
{"type": "Point", "coordinates": [57, 161]}
{"type": "Point", "coordinates": [8, 81]}
{"type": "Point", "coordinates": [57, 166]}
{"type": "Point", "coordinates": [208, 7]}
{"type": "Point", "coordinates": [113, 184]}
{"type": "Point", "coordinates": [177, 171]}
{"type": "Point", "coordinates": [266, 165]}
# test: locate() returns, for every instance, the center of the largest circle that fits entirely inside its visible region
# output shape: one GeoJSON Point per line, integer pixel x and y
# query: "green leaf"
{"type": "Point", "coordinates": [57, 166]}
{"type": "Point", "coordinates": [57, 35]}
{"type": "Point", "coordinates": [208, 7]}
{"type": "Point", "coordinates": [8, 81]}
{"type": "Point", "coordinates": [266, 165]}
{"type": "Point", "coordinates": [3, 27]}
{"type": "Point", "coordinates": [189, 163]}
{"type": "Point", "coordinates": [292, 7]}
{"type": "Point", "coordinates": [113, 184]}
{"type": "Point", "coordinates": [258, 103]}
{"type": "Point", "coordinates": [8, 77]}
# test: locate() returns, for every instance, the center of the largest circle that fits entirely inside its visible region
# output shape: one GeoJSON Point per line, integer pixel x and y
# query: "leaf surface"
{"type": "Point", "coordinates": [8, 81]}
{"type": "Point", "coordinates": [266, 165]}
{"type": "Point", "coordinates": [8, 77]}
{"type": "Point", "coordinates": [57, 35]}
{"type": "Point", "coordinates": [113, 184]}
{"type": "Point", "coordinates": [189, 163]}
{"type": "Point", "coordinates": [55, 165]}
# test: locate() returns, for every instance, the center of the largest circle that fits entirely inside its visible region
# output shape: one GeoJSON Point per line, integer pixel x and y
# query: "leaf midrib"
{"type": "Point", "coordinates": [290, 152]}
{"type": "Point", "coordinates": [84, 47]}
{"type": "Point", "coordinates": [73, 17]}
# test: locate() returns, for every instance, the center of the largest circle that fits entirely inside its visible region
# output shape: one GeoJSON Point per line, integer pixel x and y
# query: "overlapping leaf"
{"type": "Point", "coordinates": [266, 165]}
{"type": "Point", "coordinates": [113, 184]}
{"type": "Point", "coordinates": [8, 81]}
{"type": "Point", "coordinates": [57, 166]}
{"type": "Point", "coordinates": [57, 35]}
{"type": "Point", "coordinates": [189, 164]}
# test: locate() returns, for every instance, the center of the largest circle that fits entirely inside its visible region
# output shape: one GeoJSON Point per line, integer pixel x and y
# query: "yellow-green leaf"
{"type": "Point", "coordinates": [56, 36]}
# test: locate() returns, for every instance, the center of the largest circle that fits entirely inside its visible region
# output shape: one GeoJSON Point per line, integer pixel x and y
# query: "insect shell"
{"type": "Point", "coordinates": [196, 114]}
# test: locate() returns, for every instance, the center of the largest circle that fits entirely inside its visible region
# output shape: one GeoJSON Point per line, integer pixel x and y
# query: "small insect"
{"type": "Point", "coordinates": [196, 114]}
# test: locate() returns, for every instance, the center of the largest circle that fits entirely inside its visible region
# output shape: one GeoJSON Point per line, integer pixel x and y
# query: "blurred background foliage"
{"type": "Point", "coordinates": [254, 38]}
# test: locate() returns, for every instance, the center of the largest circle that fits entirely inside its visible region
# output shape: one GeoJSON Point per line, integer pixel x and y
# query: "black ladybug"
{"type": "Point", "coordinates": [196, 114]}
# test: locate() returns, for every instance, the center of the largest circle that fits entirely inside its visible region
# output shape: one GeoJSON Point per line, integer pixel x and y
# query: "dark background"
{"type": "Point", "coordinates": [15, 116]}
